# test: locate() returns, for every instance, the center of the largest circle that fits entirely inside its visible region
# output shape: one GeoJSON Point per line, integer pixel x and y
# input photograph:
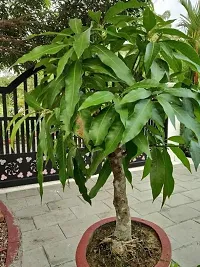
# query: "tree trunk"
{"type": "Point", "coordinates": [123, 218]}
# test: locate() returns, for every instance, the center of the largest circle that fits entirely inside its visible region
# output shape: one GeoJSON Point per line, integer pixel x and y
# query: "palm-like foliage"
{"type": "Point", "coordinates": [191, 23]}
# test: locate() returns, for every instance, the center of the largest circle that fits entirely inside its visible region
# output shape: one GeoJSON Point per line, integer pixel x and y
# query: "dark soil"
{"type": "Point", "coordinates": [3, 243]}
{"type": "Point", "coordinates": [145, 250]}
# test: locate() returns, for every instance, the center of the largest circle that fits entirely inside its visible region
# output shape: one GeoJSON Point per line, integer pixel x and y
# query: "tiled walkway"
{"type": "Point", "coordinates": [51, 231]}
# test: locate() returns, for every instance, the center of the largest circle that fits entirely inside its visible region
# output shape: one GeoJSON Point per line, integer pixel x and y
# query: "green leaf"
{"type": "Point", "coordinates": [168, 177]}
{"type": "Point", "coordinates": [16, 128]}
{"type": "Point", "coordinates": [159, 69]}
{"type": "Point", "coordinates": [135, 95]}
{"type": "Point", "coordinates": [96, 66]}
{"type": "Point", "coordinates": [142, 143]}
{"type": "Point", "coordinates": [39, 165]}
{"type": "Point", "coordinates": [97, 99]}
{"type": "Point", "coordinates": [18, 115]}
{"type": "Point", "coordinates": [149, 19]}
{"type": "Point", "coordinates": [187, 120]}
{"type": "Point", "coordinates": [177, 139]}
{"type": "Point", "coordinates": [147, 168]}
{"type": "Point", "coordinates": [181, 155]}
{"type": "Point", "coordinates": [171, 31]}
{"type": "Point", "coordinates": [142, 113]}
{"type": "Point", "coordinates": [73, 83]}
{"type": "Point", "coordinates": [96, 16]}
{"type": "Point", "coordinates": [120, 7]}
{"type": "Point", "coordinates": [100, 125]}
{"type": "Point", "coordinates": [185, 49]}
{"type": "Point", "coordinates": [63, 61]}
{"type": "Point", "coordinates": [151, 53]}
{"type": "Point", "coordinates": [186, 59]}
{"type": "Point", "coordinates": [113, 137]}
{"type": "Point", "coordinates": [168, 55]}
{"type": "Point", "coordinates": [115, 63]}
{"type": "Point", "coordinates": [157, 114]}
{"type": "Point", "coordinates": [54, 88]}
{"type": "Point", "coordinates": [157, 172]}
{"type": "Point", "coordinates": [83, 124]}
{"type": "Point", "coordinates": [195, 153]}
{"type": "Point", "coordinates": [80, 181]}
{"type": "Point", "coordinates": [183, 92]}
{"type": "Point", "coordinates": [167, 108]}
{"type": "Point", "coordinates": [148, 83]}
{"type": "Point", "coordinates": [32, 102]}
{"type": "Point", "coordinates": [96, 160]}
{"type": "Point", "coordinates": [127, 172]}
{"type": "Point", "coordinates": [75, 25]}
{"type": "Point", "coordinates": [61, 159]}
{"type": "Point", "coordinates": [103, 177]}
{"type": "Point", "coordinates": [40, 51]}
{"type": "Point", "coordinates": [64, 33]}
{"type": "Point", "coordinates": [82, 42]}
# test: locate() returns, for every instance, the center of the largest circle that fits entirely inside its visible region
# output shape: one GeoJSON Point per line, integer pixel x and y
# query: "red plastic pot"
{"type": "Point", "coordinates": [81, 251]}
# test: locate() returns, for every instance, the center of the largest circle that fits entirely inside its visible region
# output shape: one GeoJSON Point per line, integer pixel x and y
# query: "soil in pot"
{"type": "Point", "coordinates": [3, 243]}
{"type": "Point", "coordinates": [143, 251]}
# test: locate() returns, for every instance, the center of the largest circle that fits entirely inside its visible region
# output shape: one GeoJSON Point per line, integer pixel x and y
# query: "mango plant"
{"type": "Point", "coordinates": [103, 83]}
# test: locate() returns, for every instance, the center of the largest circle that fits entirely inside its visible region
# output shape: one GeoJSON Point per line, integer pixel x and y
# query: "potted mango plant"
{"type": "Point", "coordinates": [104, 83]}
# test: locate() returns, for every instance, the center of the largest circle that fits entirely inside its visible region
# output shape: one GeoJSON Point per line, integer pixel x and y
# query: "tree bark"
{"type": "Point", "coordinates": [123, 218]}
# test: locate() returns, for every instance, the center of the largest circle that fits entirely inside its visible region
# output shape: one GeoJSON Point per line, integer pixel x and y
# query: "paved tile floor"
{"type": "Point", "coordinates": [51, 231]}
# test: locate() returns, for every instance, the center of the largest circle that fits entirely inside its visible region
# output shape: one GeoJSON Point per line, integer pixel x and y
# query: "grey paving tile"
{"type": "Point", "coordinates": [185, 233]}
{"type": "Point", "coordinates": [143, 186]}
{"type": "Point", "coordinates": [142, 196]}
{"type": "Point", "coordinates": [193, 194]}
{"type": "Point", "coordinates": [26, 224]}
{"type": "Point", "coordinates": [177, 200]}
{"type": "Point", "coordinates": [180, 213]}
{"type": "Point", "coordinates": [191, 184]}
{"type": "Point", "coordinates": [147, 207]}
{"type": "Point", "coordinates": [185, 177]}
{"type": "Point", "coordinates": [68, 264]}
{"type": "Point", "coordinates": [65, 203]}
{"type": "Point", "coordinates": [53, 217]}
{"type": "Point", "coordinates": [3, 197]}
{"type": "Point", "coordinates": [84, 210]}
{"type": "Point", "coordinates": [188, 256]}
{"type": "Point", "coordinates": [102, 195]}
{"type": "Point", "coordinates": [16, 205]}
{"type": "Point", "coordinates": [32, 211]}
{"type": "Point", "coordinates": [159, 219]}
{"type": "Point", "coordinates": [178, 188]}
{"type": "Point", "coordinates": [77, 226]}
{"type": "Point", "coordinates": [62, 252]}
{"type": "Point", "coordinates": [37, 238]}
{"type": "Point", "coordinates": [23, 193]}
{"type": "Point", "coordinates": [35, 258]}
{"type": "Point", "coordinates": [195, 205]}
{"type": "Point", "coordinates": [36, 201]}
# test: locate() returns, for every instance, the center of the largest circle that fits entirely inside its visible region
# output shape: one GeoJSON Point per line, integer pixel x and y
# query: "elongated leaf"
{"type": "Point", "coordinates": [39, 164]}
{"type": "Point", "coordinates": [63, 61]}
{"type": "Point", "coordinates": [142, 143]}
{"type": "Point", "coordinates": [103, 177]}
{"type": "Point", "coordinates": [32, 102]}
{"type": "Point", "coordinates": [122, 110]}
{"type": "Point", "coordinates": [185, 49]}
{"type": "Point", "coordinates": [80, 181]}
{"type": "Point", "coordinates": [83, 125]}
{"type": "Point", "coordinates": [114, 137]}
{"type": "Point", "coordinates": [142, 113]}
{"type": "Point", "coordinates": [115, 63]}
{"type": "Point", "coordinates": [168, 55]}
{"type": "Point", "coordinates": [168, 178]}
{"type": "Point", "coordinates": [135, 95]}
{"type": "Point", "coordinates": [120, 7]}
{"type": "Point", "coordinates": [157, 173]}
{"type": "Point", "coordinates": [147, 168]}
{"type": "Point", "coordinates": [18, 115]}
{"type": "Point", "coordinates": [157, 114]}
{"type": "Point", "coordinates": [40, 51]}
{"type": "Point", "coordinates": [54, 88]}
{"type": "Point", "coordinates": [82, 42]}
{"type": "Point", "coordinates": [96, 16]}
{"type": "Point", "coordinates": [149, 19]}
{"type": "Point", "coordinates": [101, 124]}
{"type": "Point", "coordinates": [183, 92]}
{"type": "Point", "coordinates": [181, 155]}
{"type": "Point", "coordinates": [159, 69]}
{"type": "Point", "coordinates": [187, 120]}
{"type": "Point", "coordinates": [62, 159]}
{"type": "Point", "coordinates": [186, 59]}
{"type": "Point", "coordinates": [168, 109]}
{"type": "Point", "coordinates": [152, 51]}
{"type": "Point", "coordinates": [148, 83]}
{"type": "Point", "coordinates": [73, 83]}
{"type": "Point", "coordinates": [16, 128]}
{"type": "Point", "coordinates": [127, 172]}
{"type": "Point", "coordinates": [171, 31]}
{"type": "Point", "coordinates": [75, 25]}
{"type": "Point", "coordinates": [61, 34]}
{"type": "Point", "coordinates": [177, 139]}
{"type": "Point", "coordinates": [195, 153]}
{"type": "Point", "coordinates": [96, 161]}
{"type": "Point", "coordinates": [96, 99]}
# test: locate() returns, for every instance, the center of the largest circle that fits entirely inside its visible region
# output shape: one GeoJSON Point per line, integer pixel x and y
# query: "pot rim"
{"type": "Point", "coordinates": [81, 251]}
